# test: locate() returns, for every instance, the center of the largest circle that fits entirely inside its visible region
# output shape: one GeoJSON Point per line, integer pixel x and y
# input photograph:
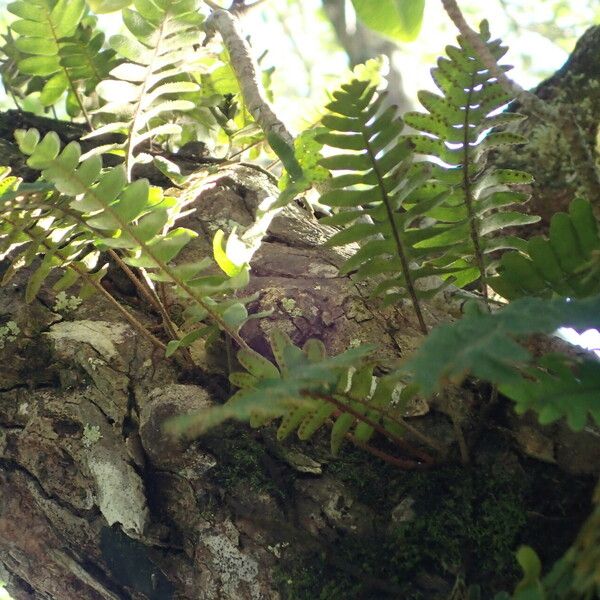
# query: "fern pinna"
{"type": "Point", "coordinates": [460, 128]}
{"type": "Point", "coordinates": [30, 230]}
{"type": "Point", "coordinates": [378, 177]}
{"type": "Point", "coordinates": [149, 87]}
{"type": "Point", "coordinates": [485, 345]}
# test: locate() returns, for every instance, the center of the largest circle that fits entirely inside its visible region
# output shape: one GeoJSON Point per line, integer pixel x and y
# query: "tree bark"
{"type": "Point", "coordinates": [573, 88]}
{"type": "Point", "coordinates": [96, 503]}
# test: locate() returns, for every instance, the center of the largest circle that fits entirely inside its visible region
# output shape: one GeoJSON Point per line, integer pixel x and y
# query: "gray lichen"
{"type": "Point", "coordinates": [235, 569]}
{"type": "Point", "coordinates": [119, 490]}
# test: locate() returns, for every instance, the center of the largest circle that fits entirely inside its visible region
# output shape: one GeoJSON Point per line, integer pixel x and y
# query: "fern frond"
{"type": "Point", "coordinates": [29, 231]}
{"type": "Point", "coordinates": [557, 388]}
{"type": "Point", "coordinates": [485, 345]}
{"type": "Point", "coordinates": [149, 87]}
{"type": "Point", "coordinates": [15, 82]}
{"type": "Point", "coordinates": [44, 28]}
{"type": "Point", "coordinates": [65, 247]}
{"type": "Point", "coordinates": [136, 219]}
{"type": "Point", "coordinates": [378, 178]}
{"type": "Point", "coordinates": [87, 62]}
{"type": "Point", "coordinates": [306, 389]}
{"type": "Point", "coordinates": [270, 391]}
{"type": "Point", "coordinates": [459, 129]}
{"type": "Point", "coordinates": [567, 263]}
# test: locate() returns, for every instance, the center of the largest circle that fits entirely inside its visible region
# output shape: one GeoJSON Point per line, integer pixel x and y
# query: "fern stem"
{"type": "Point", "coordinates": [137, 112]}
{"type": "Point", "coordinates": [79, 102]}
{"type": "Point", "coordinates": [150, 295]}
{"type": "Point", "coordinates": [160, 264]}
{"type": "Point", "coordinates": [470, 199]}
{"type": "Point", "coordinates": [400, 442]}
{"type": "Point", "coordinates": [100, 288]}
{"type": "Point", "coordinates": [70, 80]}
{"type": "Point", "coordinates": [134, 279]}
{"type": "Point", "coordinates": [405, 465]}
{"type": "Point", "coordinates": [14, 99]}
{"type": "Point", "coordinates": [128, 316]}
{"type": "Point", "coordinates": [402, 423]}
{"type": "Point", "coordinates": [396, 234]}
{"type": "Point", "coordinates": [581, 155]}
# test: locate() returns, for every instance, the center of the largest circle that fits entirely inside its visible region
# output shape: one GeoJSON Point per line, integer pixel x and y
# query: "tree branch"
{"type": "Point", "coordinates": [246, 70]}
{"type": "Point", "coordinates": [565, 121]}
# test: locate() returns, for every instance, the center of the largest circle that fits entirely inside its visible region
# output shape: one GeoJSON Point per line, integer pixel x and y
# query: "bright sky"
{"type": "Point", "coordinates": [534, 55]}
{"type": "Point", "coordinates": [520, 23]}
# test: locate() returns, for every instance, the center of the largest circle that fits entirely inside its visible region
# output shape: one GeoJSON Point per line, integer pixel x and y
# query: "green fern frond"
{"type": "Point", "coordinates": [460, 128]}
{"type": "Point", "coordinates": [46, 29]}
{"type": "Point", "coordinates": [150, 86]}
{"type": "Point", "coordinates": [48, 234]}
{"type": "Point", "coordinates": [87, 62]}
{"type": "Point", "coordinates": [567, 263]}
{"type": "Point", "coordinates": [16, 83]}
{"type": "Point", "coordinates": [378, 178]}
{"type": "Point", "coordinates": [557, 388]}
{"type": "Point", "coordinates": [485, 346]}
{"type": "Point", "coordinates": [133, 218]}
{"type": "Point", "coordinates": [64, 247]}
{"type": "Point", "coordinates": [305, 389]}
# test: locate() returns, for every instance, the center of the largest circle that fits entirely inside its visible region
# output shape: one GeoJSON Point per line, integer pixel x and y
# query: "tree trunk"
{"type": "Point", "coordinates": [96, 503]}
{"type": "Point", "coordinates": [573, 88]}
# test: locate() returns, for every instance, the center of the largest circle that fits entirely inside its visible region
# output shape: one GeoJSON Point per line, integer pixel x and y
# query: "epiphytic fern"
{"type": "Point", "coordinates": [484, 345]}
{"type": "Point", "coordinates": [457, 127]}
{"type": "Point", "coordinates": [87, 61]}
{"type": "Point", "coordinates": [378, 178]}
{"type": "Point", "coordinates": [149, 87]}
{"type": "Point", "coordinates": [49, 32]}
{"type": "Point", "coordinates": [26, 234]}
{"type": "Point", "coordinates": [136, 219]}
{"type": "Point", "coordinates": [567, 263]}
{"type": "Point", "coordinates": [306, 390]}
{"type": "Point", "coordinates": [16, 83]}
{"type": "Point", "coordinates": [558, 387]}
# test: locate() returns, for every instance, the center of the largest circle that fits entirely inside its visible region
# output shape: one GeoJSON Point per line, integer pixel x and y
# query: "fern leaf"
{"type": "Point", "coordinates": [556, 389]}
{"type": "Point", "coordinates": [45, 233]}
{"type": "Point", "coordinates": [60, 46]}
{"type": "Point", "coordinates": [85, 58]}
{"type": "Point", "coordinates": [484, 345]}
{"type": "Point", "coordinates": [133, 217]}
{"type": "Point", "coordinates": [282, 391]}
{"type": "Point", "coordinates": [15, 82]}
{"type": "Point", "coordinates": [457, 133]}
{"type": "Point", "coordinates": [378, 178]}
{"type": "Point", "coordinates": [306, 390]}
{"type": "Point", "coordinates": [567, 263]}
{"type": "Point", "coordinates": [151, 85]}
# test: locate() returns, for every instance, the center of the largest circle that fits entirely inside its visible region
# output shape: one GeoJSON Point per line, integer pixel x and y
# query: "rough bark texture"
{"type": "Point", "coordinates": [95, 501]}
{"type": "Point", "coordinates": [573, 87]}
